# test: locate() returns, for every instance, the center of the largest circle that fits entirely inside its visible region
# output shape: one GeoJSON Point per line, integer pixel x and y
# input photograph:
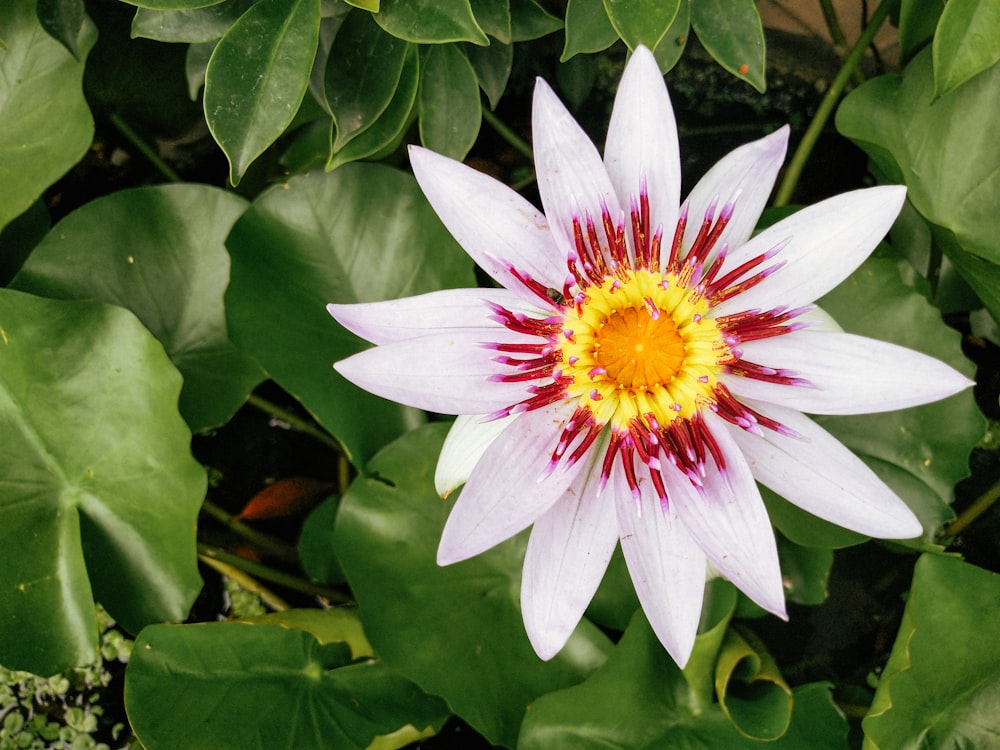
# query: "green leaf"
{"type": "Point", "coordinates": [966, 42]}
{"type": "Point", "coordinates": [315, 546]}
{"type": "Point", "coordinates": [192, 26]}
{"type": "Point", "coordinates": [457, 630]}
{"type": "Point", "coordinates": [805, 571]}
{"type": "Point", "coordinates": [732, 33]}
{"type": "Point", "coordinates": [99, 494]}
{"type": "Point", "coordinates": [751, 690]}
{"type": "Point", "coordinates": [173, 4]}
{"type": "Point", "coordinates": [920, 452]}
{"type": "Point", "coordinates": [450, 113]}
{"type": "Point", "coordinates": [641, 21]}
{"type": "Point", "coordinates": [492, 66]}
{"type": "Point", "coordinates": [361, 233]}
{"type": "Point", "coordinates": [158, 251]}
{"type": "Point", "coordinates": [47, 125]}
{"type": "Point", "coordinates": [19, 238]}
{"type": "Point", "coordinates": [63, 20]}
{"type": "Point", "coordinates": [529, 20]}
{"type": "Point", "coordinates": [362, 74]}
{"type": "Point", "coordinates": [671, 47]}
{"type": "Point", "coordinates": [638, 699]}
{"type": "Point", "coordinates": [251, 686]}
{"type": "Point", "coordinates": [917, 21]}
{"type": "Point", "coordinates": [947, 159]}
{"type": "Point", "coordinates": [389, 128]}
{"type": "Point", "coordinates": [941, 686]}
{"type": "Point", "coordinates": [588, 28]}
{"type": "Point", "coordinates": [493, 17]}
{"type": "Point", "coordinates": [430, 22]}
{"type": "Point", "coordinates": [257, 77]}
{"type": "Point", "coordinates": [195, 65]}
{"type": "Point", "coordinates": [337, 625]}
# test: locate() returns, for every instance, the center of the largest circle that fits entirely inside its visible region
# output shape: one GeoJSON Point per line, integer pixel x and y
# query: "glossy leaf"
{"type": "Point", "coordinates": [192, 26]}
{"type": "Point", "coordinates": [457, 630]}
{"type": "Point", "coordinates": [358, 234]}
{"type": "Point", "coordinates": [751, 690]}
{"type": "Point", "coordinates": [391, 125]}
{"type": "Point", "coordinates": [256, 686]}
{"type": "Point", "coordinates": [920, 452]}
{"type": "Point", "coordinates": [918, 20]}
{"type": "Point", "coordinates": [588, 28]}
{"type": "Point", "coordinates": [805, 571]}
{"type": "Point", "coordinates": [529, 20]}
{"type": "Point", "coordinates": [941, 686]}
{"type": "Point", "coordinates": [450, 113]}
{"type": "Point", "coordinates": [257, 77]}
{"type": "Point", "coordinates": [315, 546]}
{"type": "Point", "coordinates": [173, 4]}
{"type": "Point", "coordinates": [639, 700]}
{"type": "Point", "coordinates": [955, 184]}
{"type": "Point", "coordinates": [732, 33]}
{"type": "Point", "coordinates": [106, 514]}
{"type": "Point", "coordinates": [671, 47]}
{"type": "Point", "coordinates": [492, 66]}
{"type": "Point", "coordinates": [159, 252]}
{"type": "Point", "coordinates": [967, 42]}
{"type": "Point", "coordinates": [362, 75]}
{"type": "Point", "coordinates": [641, 21]}
{"type": "Point", "coordinates": [430, 22]}
{"type": "Point", "coordinates": [493, 17]}
{"type": "Point", "coordinates": [47, 125]}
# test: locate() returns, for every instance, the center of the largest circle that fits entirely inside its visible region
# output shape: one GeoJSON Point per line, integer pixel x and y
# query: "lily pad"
{"type": "Point", "coordinates": [159, 252]}
{"type": "Point", "coordinates": [359, 234]}
{"type": "Point", "coordinates": [99, 494]}
{"type": "Point", "coordinates": [456, 631]}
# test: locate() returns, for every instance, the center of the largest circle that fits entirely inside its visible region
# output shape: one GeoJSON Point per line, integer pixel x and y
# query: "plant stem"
{"type": "Point", "coordinates": [830, 99]}
{"type": "Point", "coordinates": [144, 148]}
{"type": "Point", "coordinates": [304, 426]}
{"type": "Point", "coordinates": [979, 506]}
{"type": "Point", "coordinates": [267, 596]}
{"type": "Point", "coordinates": [506, 133]}
{"type": "Point", "coordinates": [259, 570]}
{"type": "Point", "coordinates": [268, 544]}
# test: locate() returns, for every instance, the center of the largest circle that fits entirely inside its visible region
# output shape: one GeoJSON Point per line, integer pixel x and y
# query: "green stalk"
{"type": "Point", "coordinates": [144, 148]}
{"type": "Point", "coordinates": [979, 506]}
{"type": "Point", "coordinates": [265, 542]}
{"type": "Point", "coordinates": [506, 133]}
{"type": "Point", "coordinates": [830, 99]}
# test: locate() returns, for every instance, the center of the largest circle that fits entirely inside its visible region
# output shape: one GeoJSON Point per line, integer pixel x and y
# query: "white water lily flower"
{"type": "Point", "coordinates": [642, 365]}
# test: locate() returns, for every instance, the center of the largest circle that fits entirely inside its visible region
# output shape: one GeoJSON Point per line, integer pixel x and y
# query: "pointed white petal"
{"type": "Point", "coordinates": [817, 473]}
{"type": "Point", "coordinates": [642, 142]}
{"type": "Point", "coordinates": [411, 317]}
{"type": "Point", "coordinates": [749, 172]}
{"type": "Point", "coordinates": [568, 551]}
{"type": "Point", "coordinates": [572, 179]}
{"type": "Point", "coordinates": [667, 568]}
{"type": "Point", "coordinates": [467, 441]}
{"type": "Point", "coordinates": [509, 488]}
{"type": "Point", "coordinates": [848, 374]}
{"type": "Point", "coordinates": [729, 522]}
{"type": "Point", "coordinates": [826, 242]}
{"type": "Point", "coordinates": [444, 372]}
{"type": "Point", "coordinates": [491, 222]}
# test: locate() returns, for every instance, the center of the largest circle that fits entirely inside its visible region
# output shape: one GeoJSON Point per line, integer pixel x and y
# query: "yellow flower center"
{"type": "Point", "coordinates": [641, 345]}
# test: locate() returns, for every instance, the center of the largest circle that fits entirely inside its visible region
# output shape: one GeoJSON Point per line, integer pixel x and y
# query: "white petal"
{"type": "Point", "coordinates": [848, 374]}
{"type": "Point", "coordinates": [667, 567]}
{"type": "Point", "coordinates": [568, 552]}
{"type": "Point", "coordinates": [444, 372]}
{"type": "Point", "coordinates": [749, 172]}
{"type": "Point", "coordinates": [821, 476]}
{"type": "Point", "coordinates": [572, 179]}
{"type": "Point", "coordinates": [509, 488]}
{"type": "Point", "coordinates": [467, 441]}
{"type": "Point", "coordinates": [411, 317]}
{"type": "Point", "coordinates": [494, 225]}
{"type": "Point", "coordinates": [642, 142]}
{"type": "Point", "coordinates": [826, 242]}
{"type": "Point", "coordinates": [729, 522]}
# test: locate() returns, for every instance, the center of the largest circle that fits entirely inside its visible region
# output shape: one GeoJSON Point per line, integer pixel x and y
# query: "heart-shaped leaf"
{"type": "Point", "coordinates": [99, 494]}
{"type": "Point", "coordinates": [159, 252]}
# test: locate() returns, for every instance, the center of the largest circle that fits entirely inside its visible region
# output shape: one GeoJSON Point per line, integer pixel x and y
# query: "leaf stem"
{"type": "Point", "coordinates": [267, 573]}
{"type": "Point", "coordinates": [144, 148]}
{"type": "Point", "coordinates": [247, 582]}
{"type": "Point", "coordinates": [295, 421]}
{"type": "Point", "coordinates": [830, 99]}
{"type": "Point", "coordinates": [271, 546]}
{"type": "Point", "coordinates": [506, 133]}
{"type": "Point", "coordinates": [979, 506]}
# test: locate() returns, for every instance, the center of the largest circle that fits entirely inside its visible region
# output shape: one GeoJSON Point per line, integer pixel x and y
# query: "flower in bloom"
{"type": "Point", "coordinates": [643, 364]}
